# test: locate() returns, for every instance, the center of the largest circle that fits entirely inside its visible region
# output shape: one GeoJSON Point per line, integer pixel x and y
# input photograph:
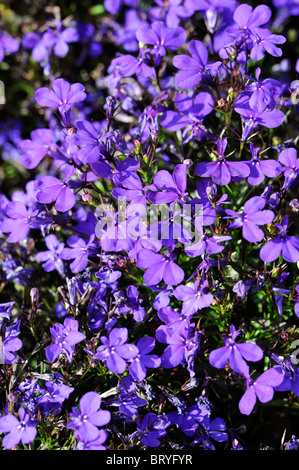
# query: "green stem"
{"type": "Point", "coordinates": [241, 148]}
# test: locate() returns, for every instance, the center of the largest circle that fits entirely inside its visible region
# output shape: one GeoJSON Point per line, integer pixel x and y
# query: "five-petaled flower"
{"type": "Point", "coordinates": [115, 350]}
{"type": "Point", "coordinates": [87, 420]}
{"type": "Point", "coordinates": [19, 430]}
{"type": "Point", "coordinates": [236, 354]}
{"type": "Point", "coordinates": [64, 337]}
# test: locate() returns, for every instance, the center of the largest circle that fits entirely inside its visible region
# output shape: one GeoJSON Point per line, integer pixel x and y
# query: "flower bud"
{"type": "Point", "coordinates": [232, 53]}
{"type": "Point", "coordinates": [187, 162]}
{"type": "Point", "coordinates": [110, 106]}
{"type": "Point", "coordinates": [87, 197]}
{"type": "Point", "coordinates": [34, 295]}
{"type": "Point", "coordinates": [137, 145]}
{"type": "Point", "coordinates": [294, 204]}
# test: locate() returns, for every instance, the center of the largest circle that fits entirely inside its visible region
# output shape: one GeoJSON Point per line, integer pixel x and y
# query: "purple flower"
{"type": "Point", "coordinates": [86, 421]}
{"type": "Point", "coordinates": [148, 119]}
{"type": "Point", "coordinates": [52, 258]}
{"type": "Point", "coordinates": [161, 36]}
{"type": "Point", "coordinates": [206, 245]}
{"type": "Point", "coordinates": [125, 35]}
{"type": "Point", "coordinates": [51, 189]}
{"type": "Point", "coordinates": [34, 41]}
{"type": "Point", "coordinates": [95, 444]}
{"type": "Point", "coordinates": [217, 14]}
{"type": "Point", "coordinates": [159, 267]}
{"type": "Point", "coordinates": [33, 150]}
{"type": "Point", "coordinates": [132, 190]}
{"type": "Point", "coordinates": [251, 118]}
{"type": "Point", "coordinates": [222, 171]}
{"type": "Point", "coordinates": [28, 197]}
{"type": "Point", "coordinates": [258, 40]}
{"type": "Point", "coordinates": [193, 68]}
{"type": "Point", "coordinates": [114, 6]}
{"type": "Point", "coordinates": [252, 216]}
{"type": "Point", "coordinates": [144, 360]}
{"type": "Point", "coordinates": [183, 346]}
{"type": "Point", "coordinates": [235, 353]}
{"type": "Point", "coordinates": [162, 299]}
{"type": "Point", "coordinates": [133, 304]}
{"type": "Point", "coordinates": [174, 226]}
{"type": "Point", "coordinates": [284, 244]}
{"type": "Point", "coordinates": [214, 429]}
{"type": "Point", "coordinates": [63, 95]}
{"type": "Point", "coordinates": [290, 375]}
{"type": "Point", "coordinates": [8, 45]}
{"type": "Point", "coordinates": [291, 6]}
{"type": "Point", "coordinates": [271, 198]}
{"type": "Point", "coordinates": [124, 170]}
{"type": "Point", "coordinates": [19, 430]}
{"type": "Point", "coordinates": [261, 388]}
{"type": "Point", "coordinates": [115, 352]}
{"type": "Point", "coordinates": [259, 168]}
{"type": "Point", "coordinates": [296, 299]}
{"type": "Point", "coordinates": [127, 65]}
{"type": "Point", "coordinates": [242, 287]}
{"type": "Point", "coordinates": [9, 343]}
{"type": "Point", "coordinates": [263, 93]}
{"type": "Point", "coordinates": [79, 250]}
{"type": "Point", "coordinates": [195, 297]}
{"type": "Point", "coordinates": [264, 40]}
{"type": "Point", "coordinates": [191, 113]}
{"type": "Point", "coordinates": [175, 321]}
{"type": "Point", "coordinates": [151, 429]}
{"type": "Point", "coordinates": [65, 337]}
{"type": "Point", "coordinates": [172, 12]}
{"type": "Point", "coordinates": [293, 443]}
{"type": "Point", "coordinates": [288, 157]}
{"type": "Point", "coordinates": [128, 400]}
{"type": "Point", "coordinates": [51, 398]}
{"type": "Point", "coordinates": [279, 292]}
{"type": "Point", "coordinates": [58, 39]}
{"type": "Point", "coordinates": [51, 41]}
{"type": "Point", "coordinates": [5, 310]}
{"type": "Point", "coordinates": [170, 188]}
{"type": "Point", "coordinates": [87, 138]}
{"type": "Point", "coordinates": [18, 222]}
{"type": "Point", "coordinates": [249, 19]}
{"type": "Point", "coordinates": [185, 419]}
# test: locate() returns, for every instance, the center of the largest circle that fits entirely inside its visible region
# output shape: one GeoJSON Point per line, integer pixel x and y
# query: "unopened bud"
{"type": "Point", "coordinates": [137, 145]}
{"type": "Point", "coordinates": [211, 192]}
{"type": "Point", "coordinates": [154, 136]}
{"type": "Point", "coordinates": [110, 106]}
{"type": "Point", "coordinates": [188, 162]}
{"type": "Point", "coordinates": [294, 204]}
{"type": "Point", "coordinates": [221, 102]}
{"type": "Point", "coordinates": [72, 130]}
{"type": "Point", "coordinates": [34, 296]}
{"type": "Point", "coordinates": [234, 256]}
{"type": "Point", "coordinates": [231, 51]}
{"type": "Point", "coordinates": [230, 92]}
{"type": "Point", "coordinates": [276, 141]}
{"type": "Point", "coordinates": [295, 92]}
{"type": "Point", "coordinates": [12, 397]}
{"type": "Point", "coordinates": [87, 197]}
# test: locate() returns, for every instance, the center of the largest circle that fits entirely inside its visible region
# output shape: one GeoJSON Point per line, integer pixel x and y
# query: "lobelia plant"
{"type": "Point", "coordinates": [149, 231]}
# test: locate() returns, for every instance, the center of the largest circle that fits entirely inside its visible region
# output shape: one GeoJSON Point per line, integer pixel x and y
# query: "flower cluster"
{"type": "Point", "coordinates": [149, 233]}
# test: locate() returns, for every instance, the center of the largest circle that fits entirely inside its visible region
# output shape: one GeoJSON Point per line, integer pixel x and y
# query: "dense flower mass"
{"type": "Point", "coordinates": [149, 231]}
